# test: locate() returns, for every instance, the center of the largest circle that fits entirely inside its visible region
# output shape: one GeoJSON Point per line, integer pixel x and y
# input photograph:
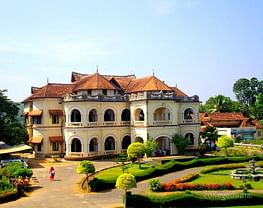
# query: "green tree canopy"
{"type": "Point", "coordinates": [150, 146]}
{"type": "Point", "coordinates": [220, 103]}
{"type": "Point", "coordinates": [225, 142]}
{"type": "Point", "coordinates": [11, 130]}
{"type": "Point", "coordinates": [180, 142]}
{"type": "Point", "coordinates": [125, 181]}
{"type": "Point", "coordinates": [247, 90]}
{"type": "Point", "coordinates": [259, 106]}
{"type": "Point", "coordinates": [136, 150]}
{"type": "Point", "coordinates": [86, 167]}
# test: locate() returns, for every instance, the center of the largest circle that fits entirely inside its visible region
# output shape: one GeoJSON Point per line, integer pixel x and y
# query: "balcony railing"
{"type": "Point", "coordinates": [163, 96]}
{"type": "Point", "coordinates": [109, 123]}
{"type": "Point", "coordinates": [75, 124]}
{"type": "Point", "coordinates": [125, 123]}
{"type": "Point", "coordinates": [162, 122]}
{"type": "Point", "coordinates": [110, 152]}
{"type": "Point", "coordinates": [93, 124]}
{"type": "Point", "coordinates": [139, 123]}
{"type": "Point", "coordinates": [72, 97]}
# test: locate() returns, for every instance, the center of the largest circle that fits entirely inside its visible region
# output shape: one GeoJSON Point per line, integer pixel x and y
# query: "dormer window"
{"type": "Point", "coordinates": [104, 92]}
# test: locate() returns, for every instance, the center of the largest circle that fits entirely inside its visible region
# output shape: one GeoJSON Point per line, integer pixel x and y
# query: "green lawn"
{"type": "Point", "coordinates": [113, 173]}
{"type": "Point", "coordinates": [223, 176]}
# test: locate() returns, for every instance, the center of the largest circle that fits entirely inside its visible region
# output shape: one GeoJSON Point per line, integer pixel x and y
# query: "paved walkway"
{"type": "Point", "coordinates": [63, 192]}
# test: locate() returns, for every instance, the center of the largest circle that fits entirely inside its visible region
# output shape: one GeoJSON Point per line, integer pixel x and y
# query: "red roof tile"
{"type": "Point", "coordinates": [149, 83]}
{"type": "Point", "coordinates": [51, 90]}
{"type": "Point", "coordinates": [93, 81]}
{"type": "Point", "coordinates": [179, 92]}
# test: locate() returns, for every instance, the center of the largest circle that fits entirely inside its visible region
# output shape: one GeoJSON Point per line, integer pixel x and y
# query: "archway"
{"type": "Point", "coordinates": [162, 114]}
{"type": "Point", "coordinates": [75, 116]}
{"type": "Point", "coordinates": [109, 143]}
{"type": "Point", "coordinates": [76, 145]}
{"type": "Point", "coordinates": [139, 115]}
{"type": "Point", "coordinates": [109, 115]}
{"type": "Point", "coordinates": [163, 146]}
{"type": "Point", "coordinates": [189, 114]}
{"type": "Point", "coordinates": [139, 139]}
{"type": "Point", "coordinates": [125, 115]}
{"type": "Point", "coordinates": [93, 116]}
{"type": "Point", "coordinates": [190, 138]}
{"type": "Point", "coordinates": [126, 141]}
{"type": "Point", "coordinates": [93, 145]}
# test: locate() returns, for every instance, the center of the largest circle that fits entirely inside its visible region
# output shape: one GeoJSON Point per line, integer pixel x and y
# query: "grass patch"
{"type": "Point", "coordinates": [223, 176]}
{"type": "Point", "coordinates": [106, 179]}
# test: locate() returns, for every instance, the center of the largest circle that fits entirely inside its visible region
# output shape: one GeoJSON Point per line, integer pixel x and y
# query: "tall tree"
{"type": "Point", "coordinates": [259, 106]}
{"type": "Point", "coordinates": [220, 103]}
{"type": "Point", "coordinates": [247, 90]}
{"type": "Point", "coordinates": [11, 130]}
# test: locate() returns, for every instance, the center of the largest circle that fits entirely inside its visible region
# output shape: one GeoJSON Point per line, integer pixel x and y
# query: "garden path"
{"type": "Point", "coordinates": [63, 192]}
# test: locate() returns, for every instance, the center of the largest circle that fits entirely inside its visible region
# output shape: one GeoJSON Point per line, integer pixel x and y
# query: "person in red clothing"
{"type": "Point", "coordinates": [52, 173]}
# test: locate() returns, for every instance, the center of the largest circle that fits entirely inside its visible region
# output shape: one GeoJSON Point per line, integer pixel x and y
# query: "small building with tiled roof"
{"type": "Point", "coordinates": [97, 115]}
{"type": "Point", "coordinates": [233, 124]}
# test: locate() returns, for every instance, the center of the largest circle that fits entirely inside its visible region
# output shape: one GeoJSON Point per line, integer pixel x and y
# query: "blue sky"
{"type": "Point", "coordinates": [202, 46]}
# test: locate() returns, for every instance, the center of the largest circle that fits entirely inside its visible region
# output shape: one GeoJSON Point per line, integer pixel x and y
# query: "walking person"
{"type": "Point", "coordinates": [52, 173]}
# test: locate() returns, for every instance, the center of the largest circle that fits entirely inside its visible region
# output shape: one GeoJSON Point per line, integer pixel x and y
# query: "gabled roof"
{"type": "Point", "coordinates": [122, 81]}
{"type": "Point", "coordinates": [51, 90]}
{"type": "Point", "coordinates": [93, 81]}
{"type": "Point", "coordinates": [149, 83]}
{"type": "Point", "coordinates": [179, 92]}
{"type": "Point", "coordinates": [75, 76]}
{"type": "Point", "coordinates": [214, 118]}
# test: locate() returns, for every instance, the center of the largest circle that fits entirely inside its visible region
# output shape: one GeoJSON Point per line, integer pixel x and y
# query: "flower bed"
{"type": "Point", "coordinates": [189, 186]}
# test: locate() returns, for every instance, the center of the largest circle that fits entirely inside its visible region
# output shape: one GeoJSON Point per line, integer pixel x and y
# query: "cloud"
{"type": "Point", "coordinates": [66, 50]}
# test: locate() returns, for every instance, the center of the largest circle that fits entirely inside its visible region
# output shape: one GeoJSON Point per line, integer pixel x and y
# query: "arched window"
{"type": "Point", "coordinates": [93, 145]}
{"type": "Point", "coordinates": [189, 114]}
{"type": "Point", "coordinates": [139, 139]}
{"type": "Point", "coordinates": [126, 141]}
{"type": "Point", "coordinates": [162, 114]}
{"type": "Point", "coordinates": [125, 115]}
{"type": "Point", "coordinates": [139, 115]}
{"type": "Point", "coordinates": [76, 145]}
{"type": "Point", "coordinates": [75, 116]}
{"type": "Point", "coordinates": [93, 116]}
{"type": "Point", "coordinates": [109, 143]}
{"type": "Point", "coordinates": [109, 115]}
{"type": "Point", "coordinates": [190, 138]}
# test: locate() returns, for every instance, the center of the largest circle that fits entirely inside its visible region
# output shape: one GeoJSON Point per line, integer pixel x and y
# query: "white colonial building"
{"type": "Point", "coordinates": [98, 115]}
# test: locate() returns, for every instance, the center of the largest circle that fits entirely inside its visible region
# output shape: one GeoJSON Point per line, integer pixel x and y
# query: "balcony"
{"type": "Point", "coordinates": [125, 123]}
{"type": "Point", "coordinates": [75, 124]}
{"type": "Point", "coordinates": [162, 122]}
{"type": "Point", "coordinates": [163, 96]}
{"type": "Point", "coordinates": [110, 152]}
{"type": "Point", "coordinates": [91, 124]}
{"type": "Point", "coordinates": [139, 123]}
{"type": "Point", "coordinates": [109, 123]}
{"type": "Point", "coordinates": [73, 97]}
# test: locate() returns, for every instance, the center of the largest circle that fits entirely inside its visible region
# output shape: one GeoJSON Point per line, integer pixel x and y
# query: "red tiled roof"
{"type": "Point", "coordinates": [75, 76]}
{"type": "Point", "coordinates": [179, 92]}
{"type": "Point", "coordinates": [122, 81]}
{"type": "Point", "coordinates": [51, 90]}
{"type": "Point", "coordinates": [228, 118]}
{"type": "Point", "coordinates": [93, 81]}
{"type": "Point", "coordinates": [149, 83]}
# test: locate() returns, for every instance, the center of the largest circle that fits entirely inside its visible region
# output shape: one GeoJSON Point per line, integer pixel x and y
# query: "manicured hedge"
{"type": "Point", "coordinates": [192, 200]}
{"type": "Point", "coordinates": [102, 183]}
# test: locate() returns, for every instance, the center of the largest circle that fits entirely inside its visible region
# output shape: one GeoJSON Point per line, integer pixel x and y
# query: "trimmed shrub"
{"type": "Point", "coordinates": [155, 184]}
{"type": "Point", "coordinates": [193, 200]}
